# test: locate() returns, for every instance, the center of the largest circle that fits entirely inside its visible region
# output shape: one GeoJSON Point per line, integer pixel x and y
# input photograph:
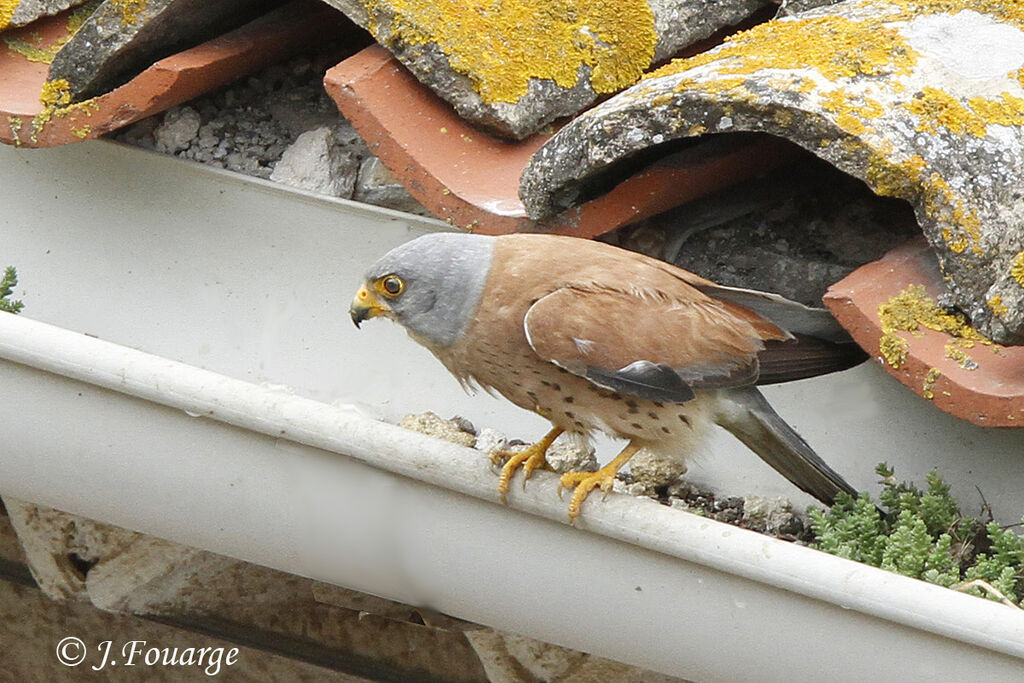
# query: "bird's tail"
{"type": "Point", "coordinates": [747, 415]}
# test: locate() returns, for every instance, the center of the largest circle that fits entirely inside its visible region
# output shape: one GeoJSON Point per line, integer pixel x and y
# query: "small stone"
{"type": "Point", "coordinates": [176, 132]}
{"type": "Point", "coordinates": [141, 133]}
{"type": "Point", "coordinates": [567, 455]}
{"type": "Point", "coordinates": [769, 515]}
{"type": "Point", "coordinates": [432, 425]}
{"type": "Point", "coordinates": [315, 162]}
{"type": "Point", "coordinates": [489, 440]}
{"type": "Point", "coordinates": [464, 424]}
{"type": "Point", "coordinates": [376, 185]}
{"type": "Point", "coordinates": [652, 472]}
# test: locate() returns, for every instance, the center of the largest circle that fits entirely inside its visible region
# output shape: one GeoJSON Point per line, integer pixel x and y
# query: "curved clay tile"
{"type": "Point", "coordinates": [889, 307]}
{"type": "Point", "coordinates": [923, 100]}
{"type": "Point", "coordinates": [513, 67]}
{"type": "Point", "coordinates": [471, 180]}
{"type": "Point", "coordinates": [35, 112]}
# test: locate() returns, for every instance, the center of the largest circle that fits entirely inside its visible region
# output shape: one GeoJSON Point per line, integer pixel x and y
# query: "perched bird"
{"type": "Point", "coordinates": [597, 338]}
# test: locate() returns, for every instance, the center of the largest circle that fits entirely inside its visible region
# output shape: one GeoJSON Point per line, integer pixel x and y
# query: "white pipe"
{"type": "Point", "coordinates": [275, 492]}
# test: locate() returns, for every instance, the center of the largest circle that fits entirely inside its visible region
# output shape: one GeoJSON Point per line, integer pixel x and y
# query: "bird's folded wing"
{"type": "Point", "coordinates": [648, 343]}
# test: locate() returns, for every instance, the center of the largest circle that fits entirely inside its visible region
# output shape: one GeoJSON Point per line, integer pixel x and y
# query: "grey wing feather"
{"type": "Point", "coordinates": [789, 315]}
{"type": "Point", "coordinates": [651, 381]}
{"type": "Point", "coordinates": [749, 417]}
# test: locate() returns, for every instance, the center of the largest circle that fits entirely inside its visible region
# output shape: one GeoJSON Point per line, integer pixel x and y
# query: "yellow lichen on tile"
{"type": "Point", "coordinates": [997, 306]}
{"type": "Point", "coordinates": [962, 225]}
{"type": "Point", "coordinates": [929, 383]}
{"type": "Point", "coordinates": [56, 99]}
{"type": "Point", "coordinates": [1006, 111]}
{"type": "Point", "coordinates": [955, 352]}
{"type": "Point", "coordinates": [937, 109]}
{"type": "Point", "coordinates": [35, 51]}
{"type": "Point", "coordinates": [15, 123]}
{"type": "Point", "coordinates": [81, 133]}
{"type": "Point", "coordinates": [893, 179]}
{"type": "Point", "coordinates": [129, 10]}
{"type": "Point", "coordinates": [1008, 11]}
{"type": "Point", "coordinates": [851, 111]}
{"type": "Point", "coordinates": [894, 349]}
{"type": "Point", "coordinates": [909, 311]}
{"type": "Point", "coordinates": [7, 8]}
{"type": "Point", "coordinates": [1017, 268]}
{"type": "Point", "coordinates": [500, 45]}
{"type": "Point", "coordinates": [837, 47]}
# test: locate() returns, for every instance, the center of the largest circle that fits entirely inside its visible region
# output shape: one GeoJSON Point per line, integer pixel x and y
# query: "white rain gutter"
{"type": "Point", "coordinates": [252, 280]}
{"type": "Point", "coordinates": [112, 433]}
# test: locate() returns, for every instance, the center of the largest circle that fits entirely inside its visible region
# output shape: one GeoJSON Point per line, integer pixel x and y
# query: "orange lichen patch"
{"type": "Point", "coordinates": [36, 50]}
{"type": "Point", "coordinates": [909, 311]}
{"type": "Point", "coordinates": [718, 85]}
{"type": "Point", "coordinates": [837, 47]}
{"type": "Point", "coordinates": [500, 45]}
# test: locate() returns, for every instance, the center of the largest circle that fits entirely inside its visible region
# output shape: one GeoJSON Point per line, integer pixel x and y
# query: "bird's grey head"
{"type": "Point", "coordinates": [431, 285]}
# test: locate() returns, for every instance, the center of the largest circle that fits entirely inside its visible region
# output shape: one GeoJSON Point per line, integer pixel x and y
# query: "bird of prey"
{"type": "Point", "coordinates": [597, 338]}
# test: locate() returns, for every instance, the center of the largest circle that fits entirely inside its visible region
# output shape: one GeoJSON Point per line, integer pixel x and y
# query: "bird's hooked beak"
{"type": "Point", "coordinates": [365, 305]}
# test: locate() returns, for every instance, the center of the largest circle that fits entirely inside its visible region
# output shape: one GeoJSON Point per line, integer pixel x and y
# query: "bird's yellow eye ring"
{"type": "Point", "coordinates": [391, 286]}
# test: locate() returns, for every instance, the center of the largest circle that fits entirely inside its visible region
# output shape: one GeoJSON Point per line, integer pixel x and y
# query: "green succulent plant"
{"type": "Point", "coordinates": [922, 534]}
{"type": "Point", "coordinates": [7, 284]}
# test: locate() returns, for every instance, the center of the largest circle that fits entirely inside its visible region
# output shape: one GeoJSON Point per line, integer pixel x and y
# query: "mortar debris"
{"type": "Point", "coordinates": [247, 126]}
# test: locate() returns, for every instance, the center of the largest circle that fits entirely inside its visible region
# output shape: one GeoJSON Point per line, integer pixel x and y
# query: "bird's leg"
{"type": "Point", "coordinates": [585, 482]}
{"type": "Point", "coordinates": [530, 458]}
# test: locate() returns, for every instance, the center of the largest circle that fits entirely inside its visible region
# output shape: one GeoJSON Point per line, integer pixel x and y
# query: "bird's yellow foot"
{"type": "Point", "coordinates": [530, 459]}
{"type": "Point", "coordinates": [583, 483]}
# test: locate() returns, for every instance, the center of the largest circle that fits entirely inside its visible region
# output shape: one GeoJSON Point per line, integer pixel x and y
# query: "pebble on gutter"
{"type": "Point", "coordinates": [512, 68]}
{"type": "Point", "coordinates": [923, 100]}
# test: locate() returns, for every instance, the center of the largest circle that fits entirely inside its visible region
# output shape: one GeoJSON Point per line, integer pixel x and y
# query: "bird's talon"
{"type": "Point", "coordinates": [529, 459]}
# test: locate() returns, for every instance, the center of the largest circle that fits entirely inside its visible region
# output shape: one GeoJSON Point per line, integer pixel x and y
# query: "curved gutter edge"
{"type": "Point", "coordinates": [640, 522]}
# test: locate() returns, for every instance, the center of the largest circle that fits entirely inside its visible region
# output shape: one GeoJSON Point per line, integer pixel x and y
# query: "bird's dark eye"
{"type": "Point", "coordinates": [392, 285]}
